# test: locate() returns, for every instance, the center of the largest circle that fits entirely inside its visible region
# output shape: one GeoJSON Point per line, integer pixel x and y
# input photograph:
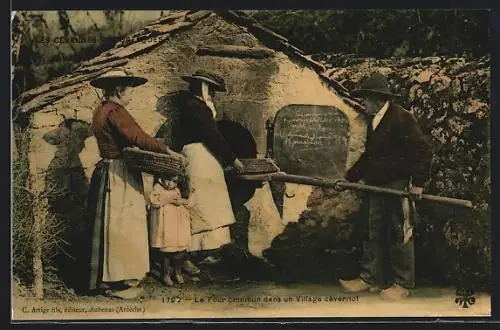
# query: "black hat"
{"type": "Point", "coordinates": [377, 84]}
{"type": "Point", "coordinates": [212, 78]}
{"type": "Point", "coordinates": [117, 77]}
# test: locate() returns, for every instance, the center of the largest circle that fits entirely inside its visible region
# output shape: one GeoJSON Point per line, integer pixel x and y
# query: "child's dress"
{"type": "Point", "coordinates": [170, 224]}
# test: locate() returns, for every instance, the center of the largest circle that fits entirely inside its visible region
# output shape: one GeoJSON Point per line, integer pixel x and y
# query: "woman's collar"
{"type": "Point", "coordinates": [210, 106]}
{"type": "Point", "coordinates": [113, 100]}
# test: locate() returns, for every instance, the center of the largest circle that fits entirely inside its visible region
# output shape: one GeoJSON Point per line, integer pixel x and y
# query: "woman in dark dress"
{"type": "Point", "coordinates": [119, 257]}
{"type": "Point", "coordinates": [197, 137]}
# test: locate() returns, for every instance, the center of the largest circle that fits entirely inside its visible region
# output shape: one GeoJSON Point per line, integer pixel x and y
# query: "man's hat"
{"type": "Point", "coordinates": [212, 78]}
{"type": "Point", "coordinates": [117, 77]}
{"type": "Point", "coordinates": [377, 84]}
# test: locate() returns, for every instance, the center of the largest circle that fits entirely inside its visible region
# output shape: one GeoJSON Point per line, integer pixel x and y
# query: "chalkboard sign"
{"type": "Point", "coordinates": [311, 140]}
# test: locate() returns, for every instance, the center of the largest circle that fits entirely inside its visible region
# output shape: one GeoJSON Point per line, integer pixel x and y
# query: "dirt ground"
{"type": "Point", "coordinates": [250, 299]}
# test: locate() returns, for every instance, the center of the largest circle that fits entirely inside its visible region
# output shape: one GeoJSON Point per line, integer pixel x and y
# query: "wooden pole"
{"type": "Point", "coordinates": [319, 182]}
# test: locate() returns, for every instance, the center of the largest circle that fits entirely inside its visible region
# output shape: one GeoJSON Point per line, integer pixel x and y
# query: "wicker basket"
{"type": "Point", "coordinates": [259, 166]}
{"type": "Point", "coordinates": [152, 162]}
{"type": "Point", "coordinates": [163, 164]}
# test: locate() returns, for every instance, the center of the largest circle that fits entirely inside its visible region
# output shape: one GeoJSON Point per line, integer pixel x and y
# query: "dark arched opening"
{"type": "Point", "coordinates": [244, 146]}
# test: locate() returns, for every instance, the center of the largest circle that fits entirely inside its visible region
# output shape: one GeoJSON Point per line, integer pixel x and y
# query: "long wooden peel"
{"type": "Point", "coordinates": [341, 185]}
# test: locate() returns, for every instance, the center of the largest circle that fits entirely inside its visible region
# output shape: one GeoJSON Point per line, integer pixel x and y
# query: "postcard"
{"type": "Point", "coordinates": [187, 164]}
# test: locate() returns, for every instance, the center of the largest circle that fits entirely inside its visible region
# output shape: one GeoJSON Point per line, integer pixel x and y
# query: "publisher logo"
{"type": "Point", "coordinates": [465, 298]}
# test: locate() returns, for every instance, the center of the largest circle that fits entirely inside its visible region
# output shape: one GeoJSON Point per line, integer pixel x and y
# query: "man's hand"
{"type": "Point", "coordinates": [338, 184]}
{"type": "Point", "coordinates": [416, 192]}
{"type": "Point", "coordinates": [238, 166]}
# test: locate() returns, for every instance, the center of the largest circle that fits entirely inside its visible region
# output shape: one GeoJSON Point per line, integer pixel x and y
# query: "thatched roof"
{"type": "Point", "coordinates": [161, 29]}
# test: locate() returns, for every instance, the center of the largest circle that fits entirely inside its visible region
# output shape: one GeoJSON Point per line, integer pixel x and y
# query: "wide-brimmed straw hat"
{"type": "Point", "coordinates": [117, 77]}
{"type": "Point", "coordinates": [377, 84]}
{"type": "Point", "coordinates": [215, 80]}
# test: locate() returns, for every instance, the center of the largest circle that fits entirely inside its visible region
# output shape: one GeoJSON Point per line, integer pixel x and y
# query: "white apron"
{"type": "Point", "coordinates": [126, 246]}
{"type": "Point", "coordinates": [212, 212]}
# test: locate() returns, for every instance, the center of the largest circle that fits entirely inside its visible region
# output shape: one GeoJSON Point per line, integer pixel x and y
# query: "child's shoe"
{"type": "Point", "coordinates": [178, 276]}
{"type": "Point", "coordinates": [190, 268]}
{"type": "Point", "coordinates": [167, 280]}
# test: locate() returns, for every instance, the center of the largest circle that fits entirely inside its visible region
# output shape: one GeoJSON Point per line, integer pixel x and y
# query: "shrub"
{"type": "Point", "coordinates": [32, 243]}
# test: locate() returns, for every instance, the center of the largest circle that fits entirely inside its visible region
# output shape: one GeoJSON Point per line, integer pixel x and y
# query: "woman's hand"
{"type": "Point", "coordinates": [177, 201]}
{"type": "Point", "coordinates": [174, 154]}
{"type": "Point", "coordinates": [168, 197]}
{"type": "Point", "coordinates": [238, 166]}
{"type": "Point", "coordinates": [178, 156]}
{"type": "Point", "coordinates": [182, 202]}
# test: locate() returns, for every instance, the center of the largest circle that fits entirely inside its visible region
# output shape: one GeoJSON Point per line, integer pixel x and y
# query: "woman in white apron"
{"type": "Point", "coordinates": [119, 256]}
{"type": "Point", "coordinates": [198, 138]}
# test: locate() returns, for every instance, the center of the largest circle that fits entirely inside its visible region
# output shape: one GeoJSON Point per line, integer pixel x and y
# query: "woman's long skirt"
{"type": "Point", "coordinates": [212, 213]}
{"type": "Point", "coordinates": [118, 222]}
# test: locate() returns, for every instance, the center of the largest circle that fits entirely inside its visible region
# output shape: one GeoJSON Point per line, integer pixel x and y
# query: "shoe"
{"type": "Point", "coordinates": [395, 292]}
{"type": "Point", "coordinates": [127, 294]}
{"type": "Point", "coordinates": [104, 286]}
{"type": "Point", "coordinates": [210, 260]}
{"type": "Point", "coordinates": [132, 283]}
{"type": "Point", "coordinates": [166, 279]}
{"type": "Point", "coordinates": [190, 268]}
{"type": "Point", "coordinates": [195, 279]}
{"type": "Point", "coordinates": [357, 285]}
{"type": "Point", "coordinates": [178, 276]}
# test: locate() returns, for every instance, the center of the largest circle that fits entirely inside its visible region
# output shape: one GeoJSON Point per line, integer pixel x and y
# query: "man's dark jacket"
{"type": "Point", "coordinates": [395, 150]}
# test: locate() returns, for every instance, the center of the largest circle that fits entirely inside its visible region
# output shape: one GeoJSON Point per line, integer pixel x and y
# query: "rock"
{"type": "Point", "coordinates": [440, 83]}
{"type": "Point", "coordinates": [459, 107]}
{"type": "Point", "coordinates": [424, 76]}
{"type": "Point", "coordinates": [481, 207]}
{"type": "Point", "coordinates": [477, 107]}
{"type": "Point", "coordinates": [440, 135]}
{"type": "Point", "coordinates": [385, 71]}
{"type": "Point", "coordinates": [426, 102]}
{"type": "Point", "coordinates": [431, 60]}
{"type": "Point", "coordinates": [442, 118]}
{"type": "Point", "coordinates": [453, 60]}
{"type": "Point", "coordinates": [336, 73]}
{"type": "Point", "coordinates": [456, 87]}
{"type": "Point", "coordinates": [463, 67]}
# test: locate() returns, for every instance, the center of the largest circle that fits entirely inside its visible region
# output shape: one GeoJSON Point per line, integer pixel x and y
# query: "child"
{"type": "Point", "coordinates": [170, 225]}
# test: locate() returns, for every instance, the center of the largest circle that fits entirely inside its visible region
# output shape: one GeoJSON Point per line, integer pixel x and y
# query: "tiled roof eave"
{"type": "Point", "coordinates": [157, 33]}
